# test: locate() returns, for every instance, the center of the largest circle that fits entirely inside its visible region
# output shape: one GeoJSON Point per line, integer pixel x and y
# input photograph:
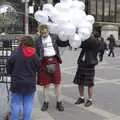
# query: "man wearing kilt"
{"type": "Point", "coordinates": [86, 68]}
{"type": "Point", "coordinates": [50, 60]}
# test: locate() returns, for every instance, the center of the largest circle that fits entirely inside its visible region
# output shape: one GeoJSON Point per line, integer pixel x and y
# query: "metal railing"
{"type": "Point", "coordinates": [7, 46]}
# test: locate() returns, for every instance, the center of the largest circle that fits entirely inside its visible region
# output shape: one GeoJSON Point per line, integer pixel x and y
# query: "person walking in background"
{"type": "Point", "coordinates": [103, 47]}
{"type": "Point", "coordinates": [86, 69]}
{"type": "Point", "coordinates": [22, 66]}
{"type": "Point", "coordinates": [111, 45]}
{"type": "Point", "coordinates": [50, 60]}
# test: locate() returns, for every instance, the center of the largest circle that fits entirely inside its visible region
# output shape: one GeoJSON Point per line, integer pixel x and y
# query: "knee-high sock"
{"type": "Point", "coordinates": [45, 93]}
{"type": "Point", "coordinates": [58, 92]}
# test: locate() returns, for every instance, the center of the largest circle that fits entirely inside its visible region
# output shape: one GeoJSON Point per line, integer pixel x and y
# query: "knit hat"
{"type": "Point", "coordinates": [28, 41]}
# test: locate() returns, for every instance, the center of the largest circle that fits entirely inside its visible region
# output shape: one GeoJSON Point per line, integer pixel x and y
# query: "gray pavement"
{"type": "Point", "coordinates": [106, 93]}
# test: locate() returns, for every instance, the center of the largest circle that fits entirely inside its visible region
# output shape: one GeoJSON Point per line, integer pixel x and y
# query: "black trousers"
{"type": "Point", "coordinates": [111, 52]}
{"type": "Point", "coordinates": [101, 54]}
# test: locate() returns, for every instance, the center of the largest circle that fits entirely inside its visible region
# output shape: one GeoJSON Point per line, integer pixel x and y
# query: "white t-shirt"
{"type": "Point", "coordinates": [48, 46]}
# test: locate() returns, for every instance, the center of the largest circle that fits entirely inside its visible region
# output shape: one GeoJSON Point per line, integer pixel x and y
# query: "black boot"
{"type": "Point", "coordinates": [44, 106]}
{"type": "Point", "coordinates": [88, 103]}
{"type": "Point", "coordinates": [80, 101]}
{"type": "Point", "coordinates": [59, 106]}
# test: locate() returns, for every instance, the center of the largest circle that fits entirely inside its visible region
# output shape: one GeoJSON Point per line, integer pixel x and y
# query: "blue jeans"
{"type": "Point", "coordinates": [18, 100]}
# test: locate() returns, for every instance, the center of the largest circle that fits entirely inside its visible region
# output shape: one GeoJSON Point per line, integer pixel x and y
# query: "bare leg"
{"type": "Point", "coordinates": [81, 90]}
{"type": "Point", "coordinates": [58, 92]}
{"type": "Point", "coordinates": [59, 105]}
{"type": "Point", "coordinates": [45, 98]}
{"type": "Point", "coordinates": [45, 93]}
{"type": "Point", "coordinates": [90, 96]}
{"type": "Point", "coordinates": [90, 92]}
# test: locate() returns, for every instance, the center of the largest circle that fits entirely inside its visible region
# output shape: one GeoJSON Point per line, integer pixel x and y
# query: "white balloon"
{"type": "Point", "coordinates": [47, 7]}
{"type": "Point", "coordinates": [85, 24]}
{"type": "Point", "coordinates": [62, 7]}
{"type": "Point", "coordinates": [77, 18]}
{"type": "Point", "coordinates": [71, 37]}
{"type": "Point", "coordinates": [41, 17]}
{"type": "Point", "coordinates": [68, 28]}
{"type": "Point", "coordinates": [65, 0]}
{"type": "Point", "coordinates": [75, 44]}
{"type": "Point", "coordinates": [61, 19]}
{"type": "Point", "coordinates": [62, 36]}
{"type": "Point", "coordinates": [53, 28]}
{"type": "Point", "coordinates": [78, 4]}
{"type": "Point", "coordinates": [90, 19]}
{"type": "Point", "coordinates": [76, 41]}
{"type": "Point", "coordinates": [85, 33]}
{"type": "Point", "coordinates": [53, 14]}
{"type": "Point", "coordinates": [76, 37]}
{"type": "Point", "coordinates": [66, 17]}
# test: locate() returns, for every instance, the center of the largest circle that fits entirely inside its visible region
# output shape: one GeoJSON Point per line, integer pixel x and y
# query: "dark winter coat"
{"type": "Point", "coordinates": [56, 43]}
{"type": "Point", "coordinates": [22, 70]}
{"type": "Point", "coordinates": [103, 46]}
{"type": "Point", "coordinates": [90, 49]}
{"type": "Point", "coordinates": [112, 43]}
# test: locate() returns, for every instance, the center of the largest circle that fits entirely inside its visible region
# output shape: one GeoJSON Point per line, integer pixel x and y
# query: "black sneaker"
{"type": "Point", "coordinates": [44, 106]}
{"type": "Point", "coordinates": [80, 101]}
{"type": "Point", "coordinates": [59, 106]}
{"type": "Point", "coordinates": [88, 103]}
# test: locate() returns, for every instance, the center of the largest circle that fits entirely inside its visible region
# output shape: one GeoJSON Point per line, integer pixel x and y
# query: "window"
{"type": "Point", "coordinates": [99, 11]}
{"type": "Point", "coordinates": [92, 6]}
{"type": "Point", "coordinates": [118, 11]}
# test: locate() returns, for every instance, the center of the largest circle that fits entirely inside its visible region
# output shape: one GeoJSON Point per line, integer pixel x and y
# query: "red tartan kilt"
{"type": "Point", "coordinates": [44, 78]}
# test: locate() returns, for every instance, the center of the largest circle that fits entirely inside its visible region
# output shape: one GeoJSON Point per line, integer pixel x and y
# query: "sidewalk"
{"type": "Point", "coordinates": [37, 113]}
{"type": "Point", "coordinates": [106, 93]}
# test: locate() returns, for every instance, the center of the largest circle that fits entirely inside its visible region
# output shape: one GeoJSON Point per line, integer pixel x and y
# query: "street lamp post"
{"type": "Point", "coordinates": [26, 16]}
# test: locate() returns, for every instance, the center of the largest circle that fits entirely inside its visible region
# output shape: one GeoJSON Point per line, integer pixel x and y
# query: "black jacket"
{"type": "Point", "coordinates": [112, 43]}
{"type": "Point", "coordinates": [56, 43]}
{"type": "Point", "coordinates": [23, 72]}
{"type": "Point", "coordinates": [90, 50]}
{"type": "Point", "coordinates": [103, 46]}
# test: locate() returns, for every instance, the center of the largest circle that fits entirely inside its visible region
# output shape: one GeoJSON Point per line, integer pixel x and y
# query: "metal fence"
{"type": "Point", "coordinates": [7, 46]}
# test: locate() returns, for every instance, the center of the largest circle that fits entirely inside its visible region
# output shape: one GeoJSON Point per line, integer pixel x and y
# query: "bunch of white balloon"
{"type": "Point", "coordinates": [68, 20]}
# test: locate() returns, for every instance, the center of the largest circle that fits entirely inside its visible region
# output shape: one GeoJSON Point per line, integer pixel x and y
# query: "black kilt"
{"type": "Point", "coordinates": [85, 75]}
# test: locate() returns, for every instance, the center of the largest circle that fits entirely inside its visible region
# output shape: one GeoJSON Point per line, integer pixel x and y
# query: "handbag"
{"type": "Point", "coordinates": [50, 68]}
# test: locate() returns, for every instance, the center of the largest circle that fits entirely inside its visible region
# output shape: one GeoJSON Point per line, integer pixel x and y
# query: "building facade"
{"type": "Point", "coordinates": [107, 16]}
{"type": "Point", "coordinates": [106, 12]}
